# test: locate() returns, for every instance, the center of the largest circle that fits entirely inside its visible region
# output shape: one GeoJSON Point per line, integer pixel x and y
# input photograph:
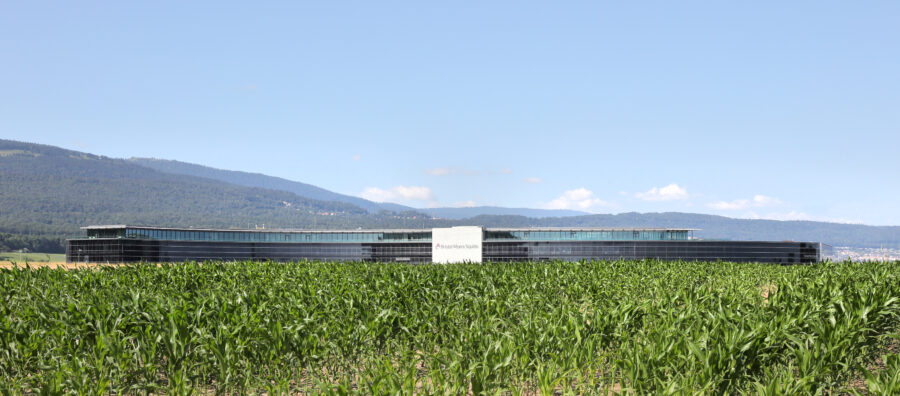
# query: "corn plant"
{"type": "Point", "coordinates": [631, 327]}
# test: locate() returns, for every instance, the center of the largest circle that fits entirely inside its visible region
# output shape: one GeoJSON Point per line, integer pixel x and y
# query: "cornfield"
{"type": "Point", "coordinates": [601, 327]}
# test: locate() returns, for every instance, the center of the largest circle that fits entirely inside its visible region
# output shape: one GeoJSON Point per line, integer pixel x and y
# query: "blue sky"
{"type": "Point", "coordinates": [785, 110]}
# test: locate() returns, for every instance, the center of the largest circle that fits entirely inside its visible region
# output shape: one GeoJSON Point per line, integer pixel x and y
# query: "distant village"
{"type": "Point", "coordinates": [842, 253]}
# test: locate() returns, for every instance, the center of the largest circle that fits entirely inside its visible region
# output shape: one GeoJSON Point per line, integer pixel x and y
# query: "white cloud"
{"type": "Point", "coordinates": [577, 199]}
{"type": "Point", "coordinates": [398, 194]}
{"type": "Point", "coordinates": [668, 193]}
{"type": "Point", "coordinates": [762, 200]}
{"type": "Point", "coordinates": [506, 171]}
{"type": "Point", "coordinates": [440, 171]}
{"type": "Point", "coordinates": [464, 204]}
{"type": "Point", "coordinates": [356, 157]}
{"type": "Point", "coordinates": [757, 201]}
{"type": "Point", "coordinates": [533, 180]}
{"type": "Point", "coordinates": [733, 205]}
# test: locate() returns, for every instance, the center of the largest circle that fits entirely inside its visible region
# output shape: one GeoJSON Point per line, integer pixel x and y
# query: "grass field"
{"type": "Point", "coordinates": [32, 257]}
{"type": "Point", "coordinates": [633, 327]}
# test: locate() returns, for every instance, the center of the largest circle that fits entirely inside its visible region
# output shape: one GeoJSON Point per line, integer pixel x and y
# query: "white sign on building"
{"type": "Point", "coordinates": [456, 244]}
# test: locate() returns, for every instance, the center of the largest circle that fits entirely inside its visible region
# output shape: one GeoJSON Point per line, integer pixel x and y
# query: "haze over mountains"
{"type": "Point", "coordinates": [47, 193]}
{"type": "Point", "coordinates": [262, 181]}
{"type": "Point", "coordinates": [310, 191]}
{"type": "Point", "coordinates": [472, 211]}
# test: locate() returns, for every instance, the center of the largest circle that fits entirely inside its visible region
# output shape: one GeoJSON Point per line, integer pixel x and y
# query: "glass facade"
{"type": "Point", "coordinates": [163, 234]}
{"type": "Point", "coordinates": [363, 236]}
{"type": "Point", "coordinates": [740, 251]}
{"type": "Point", "coordinates": [585, 235]}
{"type": "Point", "coordinates": [116, 250]}
{"type": "Point", "coordinates": [120, 250]}
{"type": "Point", "coordinates": [129, 244]}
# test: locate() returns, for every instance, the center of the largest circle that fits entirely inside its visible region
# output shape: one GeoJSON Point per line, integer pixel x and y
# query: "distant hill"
{"type": "Point", "coordinates": [47, 193]}
{"type": "Point", "coordinates": [720, 227]}
{"type": "Point", "coordinates": [464, 213]}
{"type": "Point", "coordinates": [263, 181]}
{"type": "Point", "coordinates": [310, 191]}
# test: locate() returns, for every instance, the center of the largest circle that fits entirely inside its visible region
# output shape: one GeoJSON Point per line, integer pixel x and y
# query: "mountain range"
{"type": "Point", "coordinates": [47, 193]}
{"type": "Point", "coordinates": [310, 191]}
{"type": "Point", "coordinates": [262, 181]}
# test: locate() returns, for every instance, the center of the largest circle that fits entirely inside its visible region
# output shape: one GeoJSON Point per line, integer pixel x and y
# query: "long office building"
{"type": "Point", "coordinates": [122, 243]}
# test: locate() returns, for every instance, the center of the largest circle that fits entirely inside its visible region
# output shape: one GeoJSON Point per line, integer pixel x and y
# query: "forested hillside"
{"type": "Point", "coordinates": [314, 192]}
{"type": "Point", "coordinates": [263, 181]}
{"type": "Point", "coordinates": [47, 193]}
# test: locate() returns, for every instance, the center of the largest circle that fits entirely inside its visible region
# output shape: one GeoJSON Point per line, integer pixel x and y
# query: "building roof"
{"type": "Point", "coordinates": [120, 226]}
{"type": "Point", "coordinates": [588, 229]}
{"type": "Point", "coordinates": [501, 229]}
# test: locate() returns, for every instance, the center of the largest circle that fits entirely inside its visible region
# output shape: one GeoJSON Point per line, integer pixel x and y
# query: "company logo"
{"type": "Point", "coordinates": [455, 246]}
